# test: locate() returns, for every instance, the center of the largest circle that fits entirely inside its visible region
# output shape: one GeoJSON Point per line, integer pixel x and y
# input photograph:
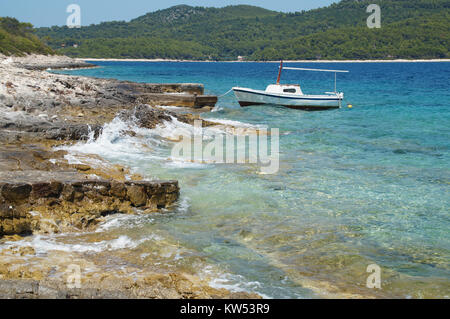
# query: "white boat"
{"type": "Point", "coordinates": [290, 95]}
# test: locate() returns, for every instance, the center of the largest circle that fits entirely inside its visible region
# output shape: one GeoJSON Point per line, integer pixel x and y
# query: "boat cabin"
{"type": "Point", "coordinates": [284, 89]}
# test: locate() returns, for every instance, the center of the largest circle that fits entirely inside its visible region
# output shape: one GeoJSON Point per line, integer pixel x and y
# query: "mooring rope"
{"type": "Point", "coordinates": [226, 93]}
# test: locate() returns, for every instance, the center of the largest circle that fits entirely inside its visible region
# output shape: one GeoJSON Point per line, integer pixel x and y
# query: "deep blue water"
{"type": "Point", "coordinates": [361, 185]}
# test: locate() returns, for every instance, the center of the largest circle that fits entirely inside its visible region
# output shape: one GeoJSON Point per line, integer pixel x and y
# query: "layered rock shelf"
{"type": "Point", "coordinates": [154, 88]}
{"type": "Point", "coordinates": [24, 87]}
{"type": "Point", "coordinates": [184, 100]}
{"type": "Point", "coordinates": [59, 206]}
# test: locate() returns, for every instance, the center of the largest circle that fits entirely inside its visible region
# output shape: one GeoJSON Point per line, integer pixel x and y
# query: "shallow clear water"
{"type": "Point", "coordinates": [355, 187]}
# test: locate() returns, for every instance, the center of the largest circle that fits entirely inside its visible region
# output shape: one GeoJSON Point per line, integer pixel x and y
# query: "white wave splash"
{"type": "Point", "coordinates": [237, 124]}
{"type": "Point", "coordinates": [147, 145]}
{"type": "Point", "coordinates": [230, 282]}
{"type": "Point", "coordinates": [123, 221]}
{"type": "Point", "coordinates": [44, 244]}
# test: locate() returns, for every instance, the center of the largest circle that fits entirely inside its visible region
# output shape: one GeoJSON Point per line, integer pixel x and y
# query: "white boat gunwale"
{"type": "Point", "coordinates": [289, 95]}
{"type": "Point", "coordinates": [278, 94]}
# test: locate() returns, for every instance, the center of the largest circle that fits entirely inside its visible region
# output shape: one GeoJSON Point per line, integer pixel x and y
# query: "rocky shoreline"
{"type": "Point", "coordinates": [41, 192]}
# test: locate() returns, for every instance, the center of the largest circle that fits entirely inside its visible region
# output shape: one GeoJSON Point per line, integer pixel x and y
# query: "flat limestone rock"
{"type": "Point", "coordinates": [66, 202]}
{"type": "Point", "coordinates": [24, 86]}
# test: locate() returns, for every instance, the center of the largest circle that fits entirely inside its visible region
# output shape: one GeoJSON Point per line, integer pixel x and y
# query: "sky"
{"type": "Point", "coordinates": [45, 13]}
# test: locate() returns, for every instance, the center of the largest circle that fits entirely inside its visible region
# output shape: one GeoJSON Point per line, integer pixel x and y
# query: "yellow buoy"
{"type": "Point", "coordinates": [350, 106]}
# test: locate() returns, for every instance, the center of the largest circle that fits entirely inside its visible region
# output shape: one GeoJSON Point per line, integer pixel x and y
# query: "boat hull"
{"type": "Point", "coordinates": [247, 97]}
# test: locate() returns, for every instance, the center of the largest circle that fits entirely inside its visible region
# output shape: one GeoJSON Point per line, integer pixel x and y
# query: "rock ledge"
{"type": "Point", "coordinates": [57, 206]}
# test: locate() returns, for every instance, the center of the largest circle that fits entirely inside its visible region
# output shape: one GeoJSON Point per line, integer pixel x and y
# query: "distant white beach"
{"type": "Point", "coordinates": [286, 61]}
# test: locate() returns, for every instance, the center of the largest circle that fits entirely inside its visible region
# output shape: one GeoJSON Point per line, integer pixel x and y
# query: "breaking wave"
{"type": "Point", "coordinates": [123, 221]}
{"type": "Point", "coordinates": [124, 141]}
{"type": "Point", "coordinates": [44, 244]}
{"type": "Point", "coordinates": [230, 282]}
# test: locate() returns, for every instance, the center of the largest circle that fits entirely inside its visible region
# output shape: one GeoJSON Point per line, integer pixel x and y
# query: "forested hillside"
{"type": "Point", "coordinates": [410, 29]}
{"type": "Point", "coordinates": [17, 38]}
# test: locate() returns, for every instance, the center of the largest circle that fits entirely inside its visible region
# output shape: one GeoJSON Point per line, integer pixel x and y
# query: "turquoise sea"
{"type": "Point", "coordinates": [356, 186]}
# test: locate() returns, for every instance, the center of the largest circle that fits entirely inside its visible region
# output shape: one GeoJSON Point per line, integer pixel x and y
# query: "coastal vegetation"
{"type": "Point", "coordinates": [17, 38]}
{"type": "Point", "coordinates": [410, 29]}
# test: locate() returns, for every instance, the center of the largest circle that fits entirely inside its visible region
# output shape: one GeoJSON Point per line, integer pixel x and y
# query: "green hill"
{"type": "Point", "coordinates": [410, 29]}
{"type": "Point", "coordinates": [17, 38]}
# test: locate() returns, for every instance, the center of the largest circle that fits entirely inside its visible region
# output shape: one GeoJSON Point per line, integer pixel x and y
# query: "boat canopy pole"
{"type": "Point", "coordinates": [279, 72]}
{"type": "Point", "coordinates": [321, 70]}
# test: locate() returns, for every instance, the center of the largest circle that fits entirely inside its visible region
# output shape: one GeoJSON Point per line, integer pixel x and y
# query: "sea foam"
{"type": "Point", "coordinates": [44, 244]}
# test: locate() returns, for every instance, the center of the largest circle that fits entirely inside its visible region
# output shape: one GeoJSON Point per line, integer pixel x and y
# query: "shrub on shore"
{"type": "Point", "coordinates": [17, 38]}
